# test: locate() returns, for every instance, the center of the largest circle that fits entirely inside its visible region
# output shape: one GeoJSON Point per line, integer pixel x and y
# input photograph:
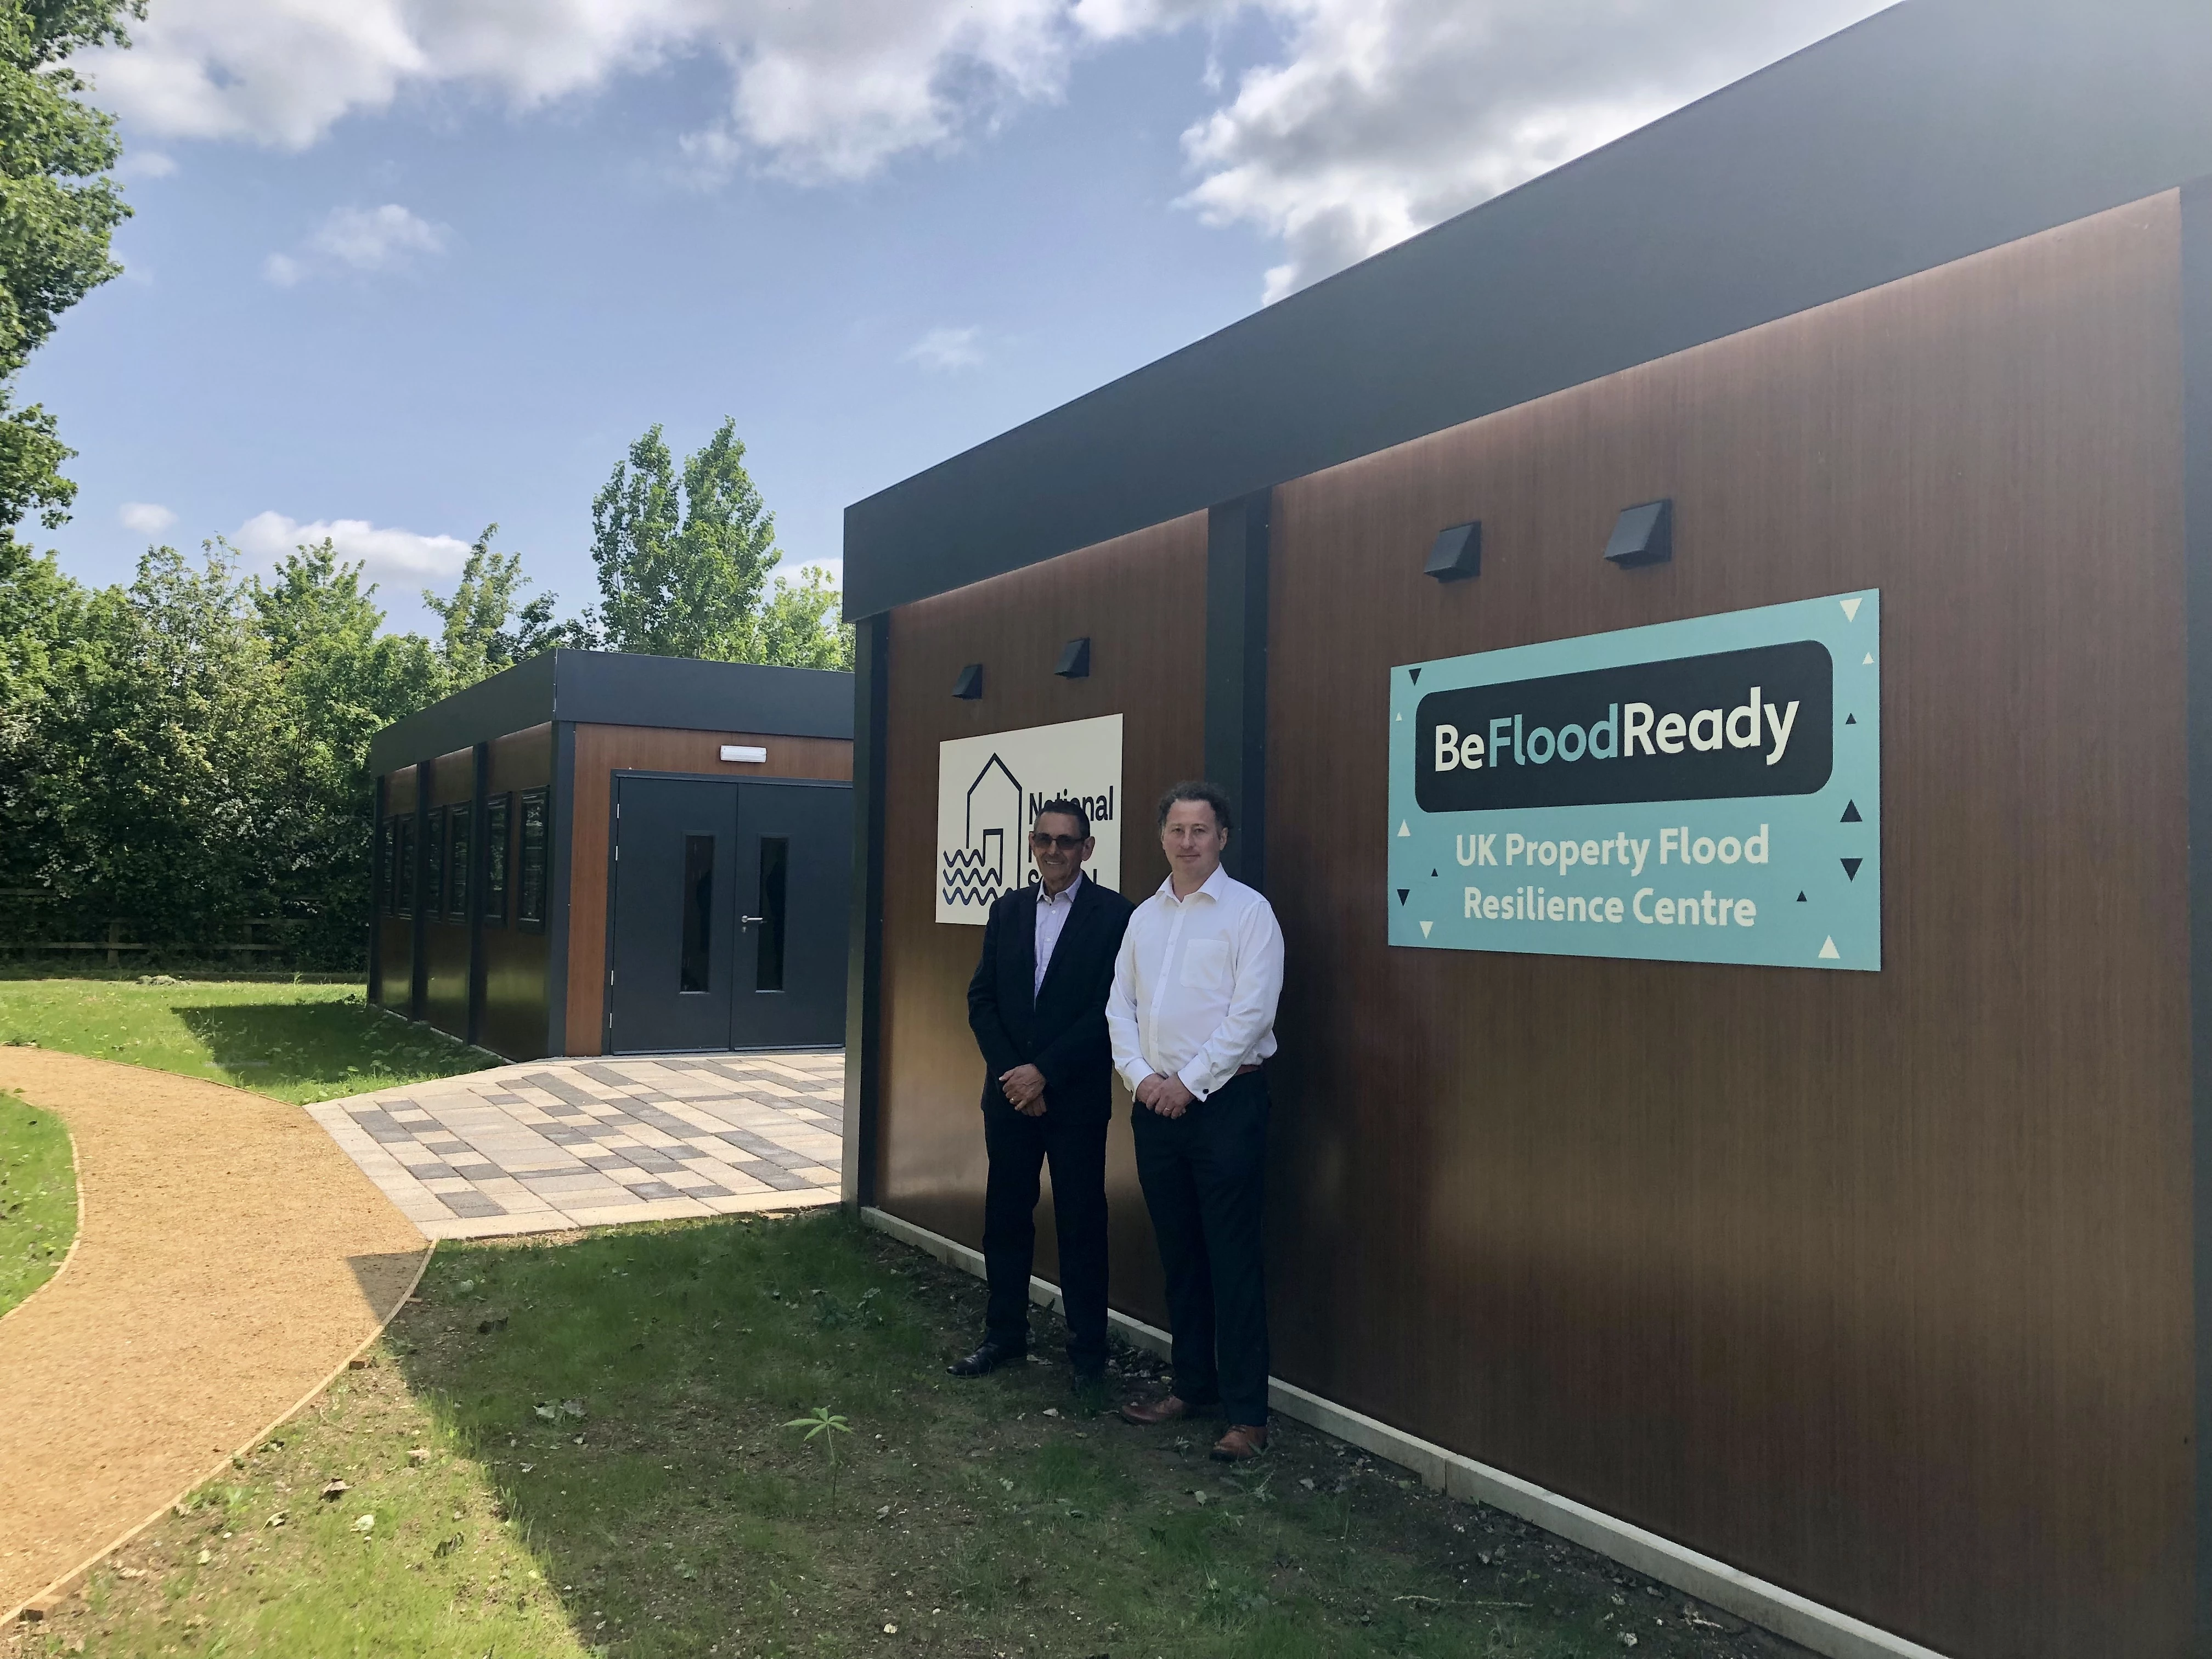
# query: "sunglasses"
{"type": "Point", "coordinates": [1045, 843]}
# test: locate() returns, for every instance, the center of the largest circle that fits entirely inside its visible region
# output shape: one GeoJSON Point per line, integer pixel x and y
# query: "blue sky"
{"type": "Point", "coordinates": [402, 278]}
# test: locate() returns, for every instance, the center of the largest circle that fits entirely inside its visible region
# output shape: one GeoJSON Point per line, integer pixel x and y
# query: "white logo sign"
{"type": "Point", "coordinates": [988, 791]}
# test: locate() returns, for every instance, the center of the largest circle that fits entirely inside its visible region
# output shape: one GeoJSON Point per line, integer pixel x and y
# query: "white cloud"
{"type": "Point", "coordinates": [1368, 119]}
{"type": "Point", "coordinates": [389, 555]}
{"type": "Point", "coordinates": [147, 518]}
{"type": "Point", "coordinates": [946, 349]}
{"type": "Point", "coordinates": [1384, 117]}
{"type": "Point", "coordinates": [816, 91]}
{"type": "Point", "coordinates": [388, 238]}
{"type": "Point", "coordinates": [145, 164]}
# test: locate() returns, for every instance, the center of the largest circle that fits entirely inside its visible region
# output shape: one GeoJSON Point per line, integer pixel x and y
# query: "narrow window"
{"type": "Point", "coordinates": [496, 814]}
{"type": "Point", "coordinates": [387, 893]}
{"type": "Point", "coordinates": [698, 910]}
{"type": "Point", "coordinates": [405, 856]}
{"type": "Point", "coordinates": [457, 863]}
{"type": "Point", "coordinates": [529, 909]}
{"type": "Point", "coordinates": [434, 867]}
{"type": "Point", "coordinates": [776, 861]}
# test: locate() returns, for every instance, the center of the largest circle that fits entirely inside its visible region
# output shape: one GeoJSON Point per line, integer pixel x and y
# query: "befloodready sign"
{"type": "Point", "coordinates": [1699, 791]}
{"type": "Point", "coordinates": [988, 791]}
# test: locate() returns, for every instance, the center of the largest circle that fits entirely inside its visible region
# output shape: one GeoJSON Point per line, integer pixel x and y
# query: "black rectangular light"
{"type": "Point", "coordinates": [1644, 534]}
{"type": "Point", "coordinates": [1457, 553]}
{"type": "Point", "coordinates": [970, 686]}
{"type": "Point", "coordinates": [1074, 662]}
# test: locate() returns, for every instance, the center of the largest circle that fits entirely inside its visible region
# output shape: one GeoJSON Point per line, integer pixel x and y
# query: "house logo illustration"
{"type": "Point", "coordinates": [989, 860]}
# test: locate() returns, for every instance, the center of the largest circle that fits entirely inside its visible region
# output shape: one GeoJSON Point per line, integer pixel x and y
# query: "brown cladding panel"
{"type": "Point", "coordinates": [1141, 599]}
{"type": "Point", "coordinates": [1876, 1285]}
{"type": "Point", "coordinates": [603, 750]}
{"type": "Point", "coordinates": [515, 961]}
{"type": "Point", "coordinates": [396, 933]}
{"type": "Point", "coordinates": [446, 954]}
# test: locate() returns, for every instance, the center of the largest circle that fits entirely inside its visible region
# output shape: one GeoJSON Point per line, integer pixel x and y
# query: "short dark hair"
{"type": "Point", "coordinates": [1065, 808]}
{"type": "Point", "coordinates": [1197, 789]}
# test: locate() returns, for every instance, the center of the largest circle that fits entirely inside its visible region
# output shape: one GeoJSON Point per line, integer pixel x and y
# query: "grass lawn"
{"type": "Point", "coordinates": [296, 1042]}
{"type": "Point", "coordinates": [580, 1447]}
{"type": "Point", "coordinates": [38, 1199]}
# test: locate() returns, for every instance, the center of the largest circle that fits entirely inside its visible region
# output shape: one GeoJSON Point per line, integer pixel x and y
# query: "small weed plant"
{"type": "Point", "coordinates": [824, 1426]}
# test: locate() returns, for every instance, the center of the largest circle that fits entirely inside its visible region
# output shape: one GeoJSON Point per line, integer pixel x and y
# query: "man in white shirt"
{"type": "Point", "coordinates": [1192, 1016]}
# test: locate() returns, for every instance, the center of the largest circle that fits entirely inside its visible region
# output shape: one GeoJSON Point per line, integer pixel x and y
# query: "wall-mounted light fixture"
{"type": "Point", "coordinates": [1457, 553]}
{"type": "Point", "coordinates": [970, 686]}
{"type": "Point", "coordinates": [750, 753]}
{"type": "Point", "coordinates": [1644, 534]}
{"type": "Point", "coordinates": [1074, 662]}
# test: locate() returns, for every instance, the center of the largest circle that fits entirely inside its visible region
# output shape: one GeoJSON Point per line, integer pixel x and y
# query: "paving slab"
{"type": "Point", "coordinates": [552, 1144]}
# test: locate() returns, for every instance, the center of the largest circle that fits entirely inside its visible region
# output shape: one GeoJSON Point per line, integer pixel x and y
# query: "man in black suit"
{"type": "Point", "coordinates": [1037, 1005]}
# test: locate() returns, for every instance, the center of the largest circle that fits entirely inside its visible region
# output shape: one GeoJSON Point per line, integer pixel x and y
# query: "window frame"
{"type": "Point", "coordinates": [432, 896]}
{"type": "Point", "coordinates": [460, 836]}
{"type": "Point", "coordinates": [387, 874]}
{"type": "Point", "coordinates": [534, 882]}
{"type": "Point", "coordinates": [498, 835]}
{"type": "Point", "coordinates": [403, 863]}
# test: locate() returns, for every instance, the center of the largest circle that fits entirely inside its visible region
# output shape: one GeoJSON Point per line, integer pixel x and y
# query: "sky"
{"type": "Point", "coordinates": [402, 269]}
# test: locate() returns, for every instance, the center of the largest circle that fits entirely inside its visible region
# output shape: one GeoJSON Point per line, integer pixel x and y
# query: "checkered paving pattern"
{"type": "Point", "coordinates": [549, 1145]}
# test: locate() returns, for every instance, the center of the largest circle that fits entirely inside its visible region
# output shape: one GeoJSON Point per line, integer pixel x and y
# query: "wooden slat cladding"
{"type": "Point", "coordinates": [515, 961]}
{"type": "Point", "coordinates": [1876, 1285]}
{"type": "Point", "coordinates": [1141, 599]}
{"type": "Point", "coordinates": [603, 750]}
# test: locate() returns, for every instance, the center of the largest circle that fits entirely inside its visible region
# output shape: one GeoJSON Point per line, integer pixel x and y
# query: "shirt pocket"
{"type": "Point", "coordinates": [1206, 965]}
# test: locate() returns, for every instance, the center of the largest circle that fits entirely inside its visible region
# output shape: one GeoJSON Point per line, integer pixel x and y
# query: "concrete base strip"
{"type": "Point", "coordinates": [1825, 1630]}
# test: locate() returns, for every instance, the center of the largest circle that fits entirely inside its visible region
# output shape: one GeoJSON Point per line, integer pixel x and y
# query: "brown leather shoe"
{"type": "Point", "coordinates": [1144, 1414]}
{"type": "Point", "coordinates": [1244, 1443]}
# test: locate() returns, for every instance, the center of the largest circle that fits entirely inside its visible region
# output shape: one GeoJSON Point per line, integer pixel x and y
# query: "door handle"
{"type": "Point", "coordinates": [747, 922]}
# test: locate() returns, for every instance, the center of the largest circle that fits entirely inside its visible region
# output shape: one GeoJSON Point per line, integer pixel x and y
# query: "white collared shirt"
{"type": "Point", "coordinates": [1195, 985]}
{"type": "Point", "coordinates": [1051, 917]}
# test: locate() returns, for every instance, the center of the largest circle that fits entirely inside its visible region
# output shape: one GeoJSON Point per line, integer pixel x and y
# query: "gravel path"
{"type": "Point", "coordinates": [231, 1259]}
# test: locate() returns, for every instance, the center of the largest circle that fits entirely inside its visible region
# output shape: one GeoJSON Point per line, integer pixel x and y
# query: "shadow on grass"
{"type": "Point", "coordinates": [627, 1397]}
{"type": "Point", "coordinates": [322, 1047]}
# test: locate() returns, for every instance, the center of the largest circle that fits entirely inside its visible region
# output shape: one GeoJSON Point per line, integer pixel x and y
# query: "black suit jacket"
{"type": "Point", "coordinates": [1062, 1030]}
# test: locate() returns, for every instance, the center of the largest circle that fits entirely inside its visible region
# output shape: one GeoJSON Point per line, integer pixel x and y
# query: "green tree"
{"type": "Point", "coordinates": [487, 629]}
{"type": "Point", "coordinates": [57, 211]}
{"type": "Point", "coordinates": [681, 571]}
{"type": "Point", "coordinates": [191, 752]}
{"type": "Point", "coordinates": [42, 634]}
{"type": "Point", "coordinates": [166, 758]}
{"type": "Point", "coordinates": [796, 625]}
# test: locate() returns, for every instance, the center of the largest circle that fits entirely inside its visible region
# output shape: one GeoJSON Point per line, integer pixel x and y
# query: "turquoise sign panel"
{"type": "Point", "coordinates": [1699, 791]}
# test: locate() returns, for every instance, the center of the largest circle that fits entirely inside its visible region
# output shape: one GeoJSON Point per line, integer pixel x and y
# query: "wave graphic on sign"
{"type": "Point", "coordinates": [972, 877]}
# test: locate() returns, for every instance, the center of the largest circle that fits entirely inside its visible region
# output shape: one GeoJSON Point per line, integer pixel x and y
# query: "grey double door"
{"type": "Point", "coordinates": [728, 914]}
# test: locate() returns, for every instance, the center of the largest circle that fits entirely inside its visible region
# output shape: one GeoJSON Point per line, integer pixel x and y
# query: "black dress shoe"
{"type": "Point", "coordinates": [987, 1360]}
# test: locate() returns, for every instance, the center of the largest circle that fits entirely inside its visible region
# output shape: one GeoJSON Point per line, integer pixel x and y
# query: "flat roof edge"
{"type": "Point", "coordinates": [623, 688]}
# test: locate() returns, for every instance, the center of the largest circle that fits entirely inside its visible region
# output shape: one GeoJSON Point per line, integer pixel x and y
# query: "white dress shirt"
{"type": "Point", "coordinates": [1195, 985]}
{"type": "Point", "coordinates": [1051, 917]}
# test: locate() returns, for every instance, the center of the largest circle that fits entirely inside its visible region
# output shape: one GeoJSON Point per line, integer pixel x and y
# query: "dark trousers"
{"type": "Point", "coordinates": [1204, 1176]}
{"type": "Point", "coordinates": [1075, 1141]}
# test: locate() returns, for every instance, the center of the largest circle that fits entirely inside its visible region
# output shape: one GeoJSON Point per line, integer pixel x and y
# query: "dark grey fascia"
{"type": "Point", "coordinates": [613, 688]}
{"type": "Point", "coordinates": [1934, 129]}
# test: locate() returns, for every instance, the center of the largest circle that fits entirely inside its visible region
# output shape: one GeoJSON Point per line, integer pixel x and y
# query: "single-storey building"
{"type": "Point", "coordinates": [1712, 652]}
{"type": "Point", "coordinates": [596, 853]}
